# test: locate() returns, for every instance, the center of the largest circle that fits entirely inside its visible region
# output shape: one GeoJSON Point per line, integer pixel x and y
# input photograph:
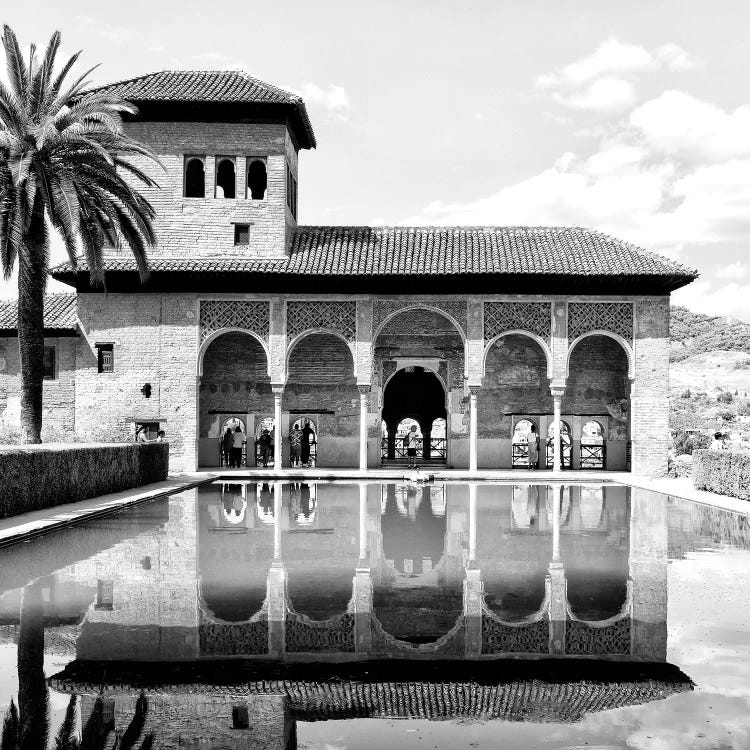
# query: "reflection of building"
{"type": "Point", "coordinates": [347, 325]}
{"type": "Point", "coordinates": [465, 574]}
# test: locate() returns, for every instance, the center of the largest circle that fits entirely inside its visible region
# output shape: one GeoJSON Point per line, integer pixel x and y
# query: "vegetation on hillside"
{"type": "Point", "coordinates": [692, 333]}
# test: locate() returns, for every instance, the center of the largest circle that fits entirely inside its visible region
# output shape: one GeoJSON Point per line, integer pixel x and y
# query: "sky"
{"type": "Point", "coordinates": [630, 118]}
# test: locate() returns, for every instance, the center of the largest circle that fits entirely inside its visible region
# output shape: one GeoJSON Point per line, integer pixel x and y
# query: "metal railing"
{"type": "Point", "coordinates": [438, 449]}
{"type": "Point", "coordinates": [593, 456]}
{"type": "Point", "coordinates": [566, 455]}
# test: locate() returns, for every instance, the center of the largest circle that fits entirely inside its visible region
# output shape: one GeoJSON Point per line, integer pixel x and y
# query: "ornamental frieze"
{"type": "Point", "coordinates": [615, 317]}
{"type": "Point", "coordinates": [535, 317]}
{"type": "Point", "coordinates": [339, 317]}
{"type": "Point", "coordinates": [252, 316]}
{"type": "Point", "coordinates": [385, 308]}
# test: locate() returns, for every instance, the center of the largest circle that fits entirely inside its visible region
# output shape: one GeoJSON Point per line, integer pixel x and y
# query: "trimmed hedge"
{"type": "Point", "coordinates": [33, 477]}
{"type": "Point", "coordinates": [723, 472]}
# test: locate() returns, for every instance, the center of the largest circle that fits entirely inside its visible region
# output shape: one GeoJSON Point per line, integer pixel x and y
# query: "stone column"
{"type": "Point", "coordinates": [276, 587]}
{"type": "Point", "coordinates": [557, 395]}
{"type": "Point", "coordinates": [278, 390]}
{"type": "Point", "coordinates": [364, 390]}
{"type": "Point", "coordinates": [556, 581]}
{"type": "Point", "coordinates": [362, 585]}
{"type": "Point", "coordinates": [473, 395]}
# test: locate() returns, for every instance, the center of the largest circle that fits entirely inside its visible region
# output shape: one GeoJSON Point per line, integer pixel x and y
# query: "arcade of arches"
{"type": "Point", "coordinates": [474, 401]}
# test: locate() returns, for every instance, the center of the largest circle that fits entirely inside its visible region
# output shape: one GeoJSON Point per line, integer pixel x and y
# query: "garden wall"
{"type": "Point", "coordinates": [33, 477]}
{"type": "Point", "coordinates": [723, 472]}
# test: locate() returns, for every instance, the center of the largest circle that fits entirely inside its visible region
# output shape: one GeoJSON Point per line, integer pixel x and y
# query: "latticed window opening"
{"type": "Point", "coordinates": [534, 317]}
{"type": "Point", "coordinates": [584, 317]}
{"type": "Point", "coordinates": [339, 317]}
{"type": "Point", "coordinates": [249, 316]}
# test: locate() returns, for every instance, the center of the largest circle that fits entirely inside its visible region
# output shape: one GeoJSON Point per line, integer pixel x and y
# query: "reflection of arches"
{"type": "Point", "coordinates": [538, 339]}
{"type": "Point", "coordinates": [264, 502]}
{"type": "Point", "coordinates": [303, 503]}
{"type": "Point", "coordinates": [627, 349]}
{"type": "Point", "coordinates": [233, 503]}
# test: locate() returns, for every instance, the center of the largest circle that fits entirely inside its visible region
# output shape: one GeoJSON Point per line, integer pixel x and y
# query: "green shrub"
{"type": "Point", "coordinates": [723, 472]}
{"type": "Point", "coordinates": [686, 442]}
{"type": "Point", "coordinates": [725, 398]}
{"type": "Point", "coordinates": [33, 477]}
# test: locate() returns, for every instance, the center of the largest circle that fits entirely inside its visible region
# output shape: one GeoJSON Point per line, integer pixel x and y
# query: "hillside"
{"type": "Point", "coordinates": [693, 333]}
{"type": "Point", "coordinates": [710, 371]}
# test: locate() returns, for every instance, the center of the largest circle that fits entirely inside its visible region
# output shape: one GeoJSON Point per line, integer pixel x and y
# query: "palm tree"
{"type": "Point", "coordinates": [64, 160]}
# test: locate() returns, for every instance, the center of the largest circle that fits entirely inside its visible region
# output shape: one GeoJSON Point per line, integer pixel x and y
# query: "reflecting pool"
{"type": "Point", "coordinates": [335, 615]}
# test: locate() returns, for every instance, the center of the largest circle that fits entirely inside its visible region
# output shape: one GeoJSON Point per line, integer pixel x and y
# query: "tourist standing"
{"type": "Point", "coordinates": [308, 438]}
{"type": "Point", "coordinates": [295, 445]}
{"type": "Point", "coordinates": [226, 446]}
{"type": "Point", "coordinates": [533, 443]}
{"type": "Point", "coordinates": [264, 442]}
{"type": "Point", "coordinates": [717, 443]}
{"type": "Point", "coordinates": [412, 441]}
{"type": "Point", "coordinates": [236, 452]}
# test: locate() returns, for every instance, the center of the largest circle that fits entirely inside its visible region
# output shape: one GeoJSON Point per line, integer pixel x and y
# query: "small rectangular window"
{"type": "Point", "coordinates": [104, 594]}
{"type": "Point", "coordinates": [106, 357]}
{"type": "Point", "coordinates": [50, 363]}
{"type": "Point", "coordinates": [240, 717]}
{"type": "Point", "coordinates": [108, 713]}
{"type": "Point", "coordinates": [241, 234]}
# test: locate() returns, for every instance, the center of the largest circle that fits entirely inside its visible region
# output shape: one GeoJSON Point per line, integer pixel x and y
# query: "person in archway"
{"type": "Point", "coordinates": [264, 443]}
{"type": "Point", "coordinates": [236, 451]}
{"type": "Point", "coordinates": [411, 446]}
{"type": "Point", "coordinates": [533, 443]}
{"type": "Point", "coordinates": [308, 438]}
{"type": "Point", "coordinates": [226, 446]}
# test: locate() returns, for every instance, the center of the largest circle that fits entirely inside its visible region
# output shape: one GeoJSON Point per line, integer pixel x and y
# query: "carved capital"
{"type": "Point", "coordinates": [277, 388]}
{"type": "Point", "coordinates": [474, 389]}
{"type": "Point", "coordinates": [364, 388]}
{"type": "Point", "coordinates": [557, 391]}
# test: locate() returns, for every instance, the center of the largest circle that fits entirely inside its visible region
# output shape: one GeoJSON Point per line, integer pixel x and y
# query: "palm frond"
{"type": "Point", "coordinates": [17, 71]}
{"type": "Point", "coordinates": [67, 736]}
{"type": "Point", "coordinates": [10, 737]}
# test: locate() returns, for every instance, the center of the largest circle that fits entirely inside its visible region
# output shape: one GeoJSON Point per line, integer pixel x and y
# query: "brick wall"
{"type": "Point", "coordinates": [59, 393]}
{"type": "Point", "coordinates": [205, 225]}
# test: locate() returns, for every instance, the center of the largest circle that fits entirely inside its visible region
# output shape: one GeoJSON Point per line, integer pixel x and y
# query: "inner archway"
{"type": "Point", "coordinates": [413, 393]}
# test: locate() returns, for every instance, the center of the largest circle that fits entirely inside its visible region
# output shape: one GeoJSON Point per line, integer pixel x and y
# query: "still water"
{"type": "Point", "coordinates": [334, 615]}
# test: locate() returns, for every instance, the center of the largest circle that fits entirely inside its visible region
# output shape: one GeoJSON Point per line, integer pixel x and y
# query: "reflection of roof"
{"type": "Point", "coordinates": [539, 255]}
{"type": "Point", "coordinates": [227, 87]}
{"type": "Point", "coordinates": [526, 691]}
{"type": "Point", "coordinates": [59, 313]}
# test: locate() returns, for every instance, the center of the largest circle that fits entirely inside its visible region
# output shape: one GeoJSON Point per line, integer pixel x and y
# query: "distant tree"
{"type": "Point", "coordinates": [725, 397]}
{"type": "Point", "coordinates": [686, 442]}
{"type": "Point", "coordinates": [686, 393]}
{"type": "Point", "coordinates": [726, 415]}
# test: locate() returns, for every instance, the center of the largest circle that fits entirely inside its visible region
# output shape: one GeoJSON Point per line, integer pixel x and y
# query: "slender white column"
{"type": "Point", "coordinates": [362, 524]}
{"type": "Point", "coordinates": [556, 498]}
{"type": "Point", "coordinates": [277, 441]}
{"type": "Point", "coordinates": [363, 392]}
{"type": "Point", "coordinates": [472, 523]}
{"type": "Point", "coordinates": [557, 395]}
{"type": "Point", "coordinates": [473, 394]}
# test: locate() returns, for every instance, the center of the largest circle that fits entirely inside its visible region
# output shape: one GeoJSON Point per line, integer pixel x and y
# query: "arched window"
{"type": "Point", "coordinates": [593, 449]}
{"type": "Point", "coordinates": [195, 177]}
{"type": "Point", "coordinates": [309, 441]}
{"type": "Point", "coordinates": [257, 180]}
{"type": "Point", "coordinates": [225, 181]}
{"type": "Point", "coordinates": [566, 445]}
{"type": "Point", "coordinates": [520, 447]}
{"type": "Point", "coordinates": [266, 424]}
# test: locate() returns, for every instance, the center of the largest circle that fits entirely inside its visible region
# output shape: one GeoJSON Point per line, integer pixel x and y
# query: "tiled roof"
{"type": "Point", "coordinates": [59, 313]}
{"type": "Point", "coordinates": [436, 251]}
{"type": "Point", "coordinates": [218, 86]}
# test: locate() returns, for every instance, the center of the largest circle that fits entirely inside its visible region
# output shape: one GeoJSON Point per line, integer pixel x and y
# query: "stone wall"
{"type": "Point", "coordinates": [206, 225]}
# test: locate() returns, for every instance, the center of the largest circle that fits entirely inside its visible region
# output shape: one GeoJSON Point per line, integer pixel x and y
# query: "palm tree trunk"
{"type": "Point", "coordinates": [32, 280]}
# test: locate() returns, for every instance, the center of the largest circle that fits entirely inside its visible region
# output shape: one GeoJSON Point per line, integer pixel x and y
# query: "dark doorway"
{"type": "Point", "coordinates": [413, 394]}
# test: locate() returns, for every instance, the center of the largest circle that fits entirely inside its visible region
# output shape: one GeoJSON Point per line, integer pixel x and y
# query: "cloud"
{"type": "Point", "coordinates": [113, 33]}
{"type": "Point", "coordinates": [605, 80]}
{"type": "Point", "coordinates": [705, 297]}
{"type": "Point", "coordinates": [680, 124]}
{"type": "Point", "coordinates": [219, 61]}
{"type": "Point", "coordinates": [333, 99]}
{"type": "Point", "coordinates": [736, 270]}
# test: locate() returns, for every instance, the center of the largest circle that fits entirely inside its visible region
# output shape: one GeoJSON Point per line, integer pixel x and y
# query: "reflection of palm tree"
{"type": "Point", "coordinates": [27, 728]}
